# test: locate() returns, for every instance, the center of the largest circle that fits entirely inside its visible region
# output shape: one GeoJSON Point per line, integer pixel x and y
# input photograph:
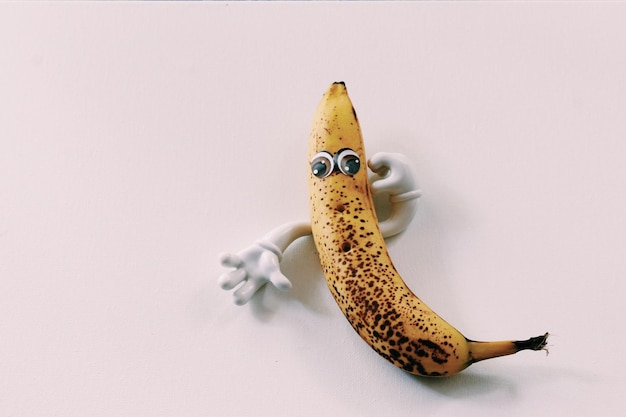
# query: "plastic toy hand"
{"type": "Point", "coordinates": [254, 266]}
{"type": "Point", "coordinates": [393, 176]}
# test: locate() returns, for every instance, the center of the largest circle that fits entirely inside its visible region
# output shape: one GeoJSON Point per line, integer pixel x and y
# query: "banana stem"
{"type": "Point", "coordinates": [486, 350]}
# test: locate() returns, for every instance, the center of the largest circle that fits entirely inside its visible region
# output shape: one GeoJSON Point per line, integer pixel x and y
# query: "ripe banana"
{"type": "Point", "coordinates": [357, 267]}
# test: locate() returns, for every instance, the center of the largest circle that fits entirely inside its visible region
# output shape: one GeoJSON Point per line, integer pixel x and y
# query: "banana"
{"type": "Point", "coordinates": [356, 264]}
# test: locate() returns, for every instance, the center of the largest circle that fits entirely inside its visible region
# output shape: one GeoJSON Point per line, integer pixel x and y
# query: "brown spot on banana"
{"type": "Point", "coordinates": [356, 264]}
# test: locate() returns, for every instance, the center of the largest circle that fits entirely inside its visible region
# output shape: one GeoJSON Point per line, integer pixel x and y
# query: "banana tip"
{"type": "Point", "coordinates": [534, 343]}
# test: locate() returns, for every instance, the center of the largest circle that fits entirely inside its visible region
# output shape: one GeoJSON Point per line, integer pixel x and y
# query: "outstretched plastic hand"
{"type": "Point", "coordinates": [255, 266]}
{"type": "Point", "coordinates": [259, 263]}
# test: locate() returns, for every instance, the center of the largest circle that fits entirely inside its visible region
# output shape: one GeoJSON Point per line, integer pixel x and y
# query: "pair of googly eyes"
{"type": "Point", "coordinates": [346, 161]}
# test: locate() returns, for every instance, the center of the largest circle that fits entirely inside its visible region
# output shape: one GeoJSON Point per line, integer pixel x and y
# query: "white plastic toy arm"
{"type": "Point", "coordinates": [393, 176]}
{"type": "Point", "coordinates": [259, 263]}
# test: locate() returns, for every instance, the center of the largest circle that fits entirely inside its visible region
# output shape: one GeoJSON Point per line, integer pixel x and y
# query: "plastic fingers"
{"type": "Point", "coordinates": [230, 260]}
{"type": "Point", "coordinates": [244, 293]}
{"type": "Point", "coordinates": [394, 173]}
{"type": "Point", "coordinates": [231, 279]}
{"type": "Point", "coordinates": [380, 163]}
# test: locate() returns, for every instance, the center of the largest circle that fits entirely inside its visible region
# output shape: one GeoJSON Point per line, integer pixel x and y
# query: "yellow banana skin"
{"type": "Point", "coordinates": [359, 271]}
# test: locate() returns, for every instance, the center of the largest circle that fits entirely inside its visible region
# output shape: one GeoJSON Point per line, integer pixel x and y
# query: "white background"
{"type": "Point", "coordinates": [138, 141]}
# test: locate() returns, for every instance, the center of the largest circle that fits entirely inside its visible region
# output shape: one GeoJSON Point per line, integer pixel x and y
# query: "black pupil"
{"type": "Point", "coordinates": [351, 165]}
{"type": "Point", "coordinates": [319, 168]}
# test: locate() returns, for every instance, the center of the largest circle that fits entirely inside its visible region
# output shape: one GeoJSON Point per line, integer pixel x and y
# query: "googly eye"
{"type": "Point", "coordinates": [322, 164]}
{"type": "Point", "coordinates": [348, 161]}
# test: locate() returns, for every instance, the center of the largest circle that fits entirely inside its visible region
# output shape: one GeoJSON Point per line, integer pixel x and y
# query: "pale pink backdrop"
{"type": "Point", "coordinates": [140, 140]}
